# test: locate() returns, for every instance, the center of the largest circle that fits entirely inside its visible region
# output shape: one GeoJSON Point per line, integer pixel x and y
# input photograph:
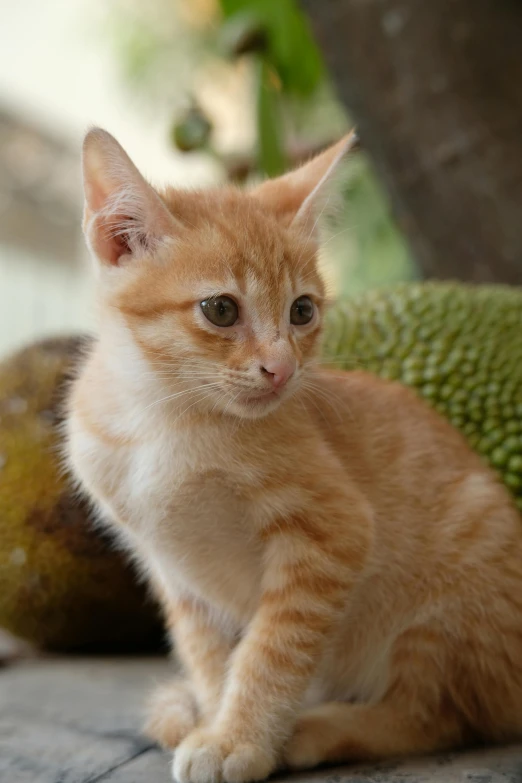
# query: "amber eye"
{"type": "Point", "coordinates": [302, 311]}
{"type": "Point", "coordinates": [220, 310]}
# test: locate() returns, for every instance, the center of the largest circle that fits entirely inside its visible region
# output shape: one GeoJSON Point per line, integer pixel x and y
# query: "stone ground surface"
{"type": "Point", "coordinates": [70, 720]}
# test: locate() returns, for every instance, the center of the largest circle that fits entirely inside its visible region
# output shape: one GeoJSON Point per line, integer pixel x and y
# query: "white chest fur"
{"type": "Point", "coordinates": [183, 513]}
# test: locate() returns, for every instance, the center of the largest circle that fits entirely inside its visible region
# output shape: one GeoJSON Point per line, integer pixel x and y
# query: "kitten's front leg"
{"type": "Point", "coordinates": [177, 706]}
{"type": "Point", "coordinates": [310, 570]}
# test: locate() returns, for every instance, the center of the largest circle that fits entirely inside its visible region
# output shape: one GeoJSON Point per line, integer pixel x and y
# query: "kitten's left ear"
{"type": "Point", "coordinates": [124, 216]}
{"type": "Point", "coordinates": [298, 198]}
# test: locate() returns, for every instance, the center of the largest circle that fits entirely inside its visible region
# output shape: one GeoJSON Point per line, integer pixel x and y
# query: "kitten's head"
{"type": "Point", "coordinates": [219, 289]}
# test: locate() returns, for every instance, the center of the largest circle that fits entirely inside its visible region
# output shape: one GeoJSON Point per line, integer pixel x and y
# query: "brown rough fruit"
{"type": "Point", "coordinates": [63, 585]}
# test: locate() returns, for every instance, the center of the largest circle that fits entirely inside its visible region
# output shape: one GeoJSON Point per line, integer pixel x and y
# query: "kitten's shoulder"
{"type": "Point", "coordinates": [372, 401]}
{"type": "Point", "coordinates": [363, 382]}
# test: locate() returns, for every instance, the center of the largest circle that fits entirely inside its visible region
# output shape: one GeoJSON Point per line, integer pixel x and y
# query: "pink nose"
{"type": "Point", "coordinates": [278, 373]}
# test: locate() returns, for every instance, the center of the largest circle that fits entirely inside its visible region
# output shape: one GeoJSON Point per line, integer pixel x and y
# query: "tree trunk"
{"type": "Point", "coordinates": [435, 87]}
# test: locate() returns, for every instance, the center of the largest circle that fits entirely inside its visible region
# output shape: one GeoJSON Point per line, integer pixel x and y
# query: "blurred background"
{"type": "Point", "coordinates": [198, 92]}
{"type": "Point", "coordinates": [210, 91]}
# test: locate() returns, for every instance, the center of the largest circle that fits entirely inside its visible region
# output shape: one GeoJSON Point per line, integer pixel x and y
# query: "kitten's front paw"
{"type": "Point", "coordinates": [172, 713]}
{"type": "Point", "coordinates": [210, 757]}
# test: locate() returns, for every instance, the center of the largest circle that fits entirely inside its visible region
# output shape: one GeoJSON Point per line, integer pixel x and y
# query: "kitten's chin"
{"type": "Point", "coordinates": [254, 406]}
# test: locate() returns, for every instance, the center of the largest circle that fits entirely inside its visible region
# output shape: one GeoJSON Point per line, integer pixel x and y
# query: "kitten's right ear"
{"type": "Point", "coordinates": [124, 216]}
{"type": "Point", "coordinates": [299, 198]}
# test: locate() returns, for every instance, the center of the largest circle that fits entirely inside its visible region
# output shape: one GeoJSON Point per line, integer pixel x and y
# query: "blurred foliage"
{"type": "Point", "coordinates": [285, 41]}
{"type": "Point", "coordinates": [380, 255]}
{"type": "Point", "coordinates": [166, 44]}
{"type": "Point", "coordinates": [159, 46]}
{"type": "Point", "coordinates": [271, 156]}
{"type": "Point", "coordinates": [276, 33]}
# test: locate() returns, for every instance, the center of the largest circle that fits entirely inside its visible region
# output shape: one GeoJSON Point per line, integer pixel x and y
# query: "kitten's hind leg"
{"type": "Point", "coordinates": [339, 732]}
{"type": "Point", "coordinates": [172, 713]}
{"type": "Point", "coordinates": [415, 716]}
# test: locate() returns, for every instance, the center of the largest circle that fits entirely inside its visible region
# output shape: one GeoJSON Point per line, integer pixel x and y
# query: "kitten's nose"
{"type": "Point", "coordinates": [278, 373]}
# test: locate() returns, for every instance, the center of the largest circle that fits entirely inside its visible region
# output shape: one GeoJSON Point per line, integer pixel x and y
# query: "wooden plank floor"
{"type": "Point", "coordinates": [78, 721]}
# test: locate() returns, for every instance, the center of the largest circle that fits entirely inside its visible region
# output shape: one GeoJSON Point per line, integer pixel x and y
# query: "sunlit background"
{"type": "Point", "coordinates": [160, 76]}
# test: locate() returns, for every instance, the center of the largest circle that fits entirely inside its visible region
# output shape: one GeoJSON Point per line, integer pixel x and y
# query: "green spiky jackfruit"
{"type": "Point", "coordinates": [459, 346]}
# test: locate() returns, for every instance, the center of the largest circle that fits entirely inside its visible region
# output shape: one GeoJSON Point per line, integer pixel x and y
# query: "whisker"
{"type": "Point", "coordinates": [338, 234]}
{"type": "Point", "coordinates": [326, 394]}
{"type": "Point", "coordinates": [181, 394]}
{"type": "Point", "coordinates": [201, 396]}
{"type": "Point", "coordinates": [230, 402]}
{"type": "Point", "coordinates": [327, 242]}
{"type": "Point", "coordinates": [174, 374]}
{"type": "Point", "coordinates": [342, 360]}
{"type": "Point", "coordinates": [310, 397]}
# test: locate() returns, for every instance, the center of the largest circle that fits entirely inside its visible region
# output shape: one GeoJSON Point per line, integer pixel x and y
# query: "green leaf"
{"type": "Point", "coordinates": [271, 157]}
{"type": "Point", "coordinates": [291, 48]}
{"type": "Point", "coordinates": [243, 33]}
{"type": "Point", "coordinates": [295, 54]}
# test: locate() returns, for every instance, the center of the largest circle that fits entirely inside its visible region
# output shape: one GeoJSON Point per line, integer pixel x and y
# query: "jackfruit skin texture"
{"type": "Point", "coordinates": [63, 586]}
{"type": "Point", "coordinates": [459, 346]}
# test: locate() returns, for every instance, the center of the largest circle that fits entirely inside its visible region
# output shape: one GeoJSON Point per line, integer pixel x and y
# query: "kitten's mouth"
{"type": "Point", "coordinates": [261, 397]}
{"type": "Point", "coordinates": [255, 404]}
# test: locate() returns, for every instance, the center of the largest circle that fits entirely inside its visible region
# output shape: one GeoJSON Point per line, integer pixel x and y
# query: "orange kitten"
{"type": "Point", "coordinates": [341, 575]}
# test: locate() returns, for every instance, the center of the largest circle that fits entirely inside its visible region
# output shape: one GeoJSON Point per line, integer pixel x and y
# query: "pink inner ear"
{"type": "Point", "coordinates": [120, 247]}
{"type": "Point", "coordinates": [107, 242]}
{"type": "Point", "coordinates": [124, 215]}
{"type": "Point", "coordinates": [95, 194]}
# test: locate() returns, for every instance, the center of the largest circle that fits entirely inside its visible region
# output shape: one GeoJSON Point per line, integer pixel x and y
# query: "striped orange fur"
{"type": "Point", "coordinates": [341, 575]}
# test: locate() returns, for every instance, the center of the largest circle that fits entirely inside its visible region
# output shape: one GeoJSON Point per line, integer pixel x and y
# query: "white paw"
{"type": "Point", "coordinates": [208, 757]}
{"type": "Point", "coordinates": [172, 713]}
